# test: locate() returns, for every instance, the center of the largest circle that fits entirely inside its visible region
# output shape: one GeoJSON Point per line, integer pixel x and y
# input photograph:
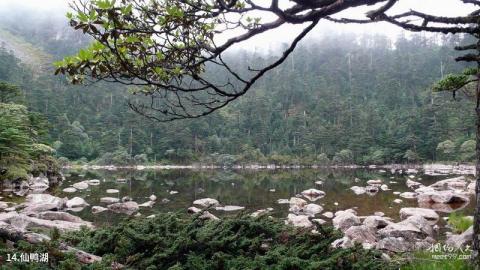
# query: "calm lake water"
{"type": "Point", "coordinates": [252, 189]}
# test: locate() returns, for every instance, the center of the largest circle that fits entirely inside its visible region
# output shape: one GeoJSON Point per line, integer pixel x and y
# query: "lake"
{"type": "Point", "coordinates": [253, 189]}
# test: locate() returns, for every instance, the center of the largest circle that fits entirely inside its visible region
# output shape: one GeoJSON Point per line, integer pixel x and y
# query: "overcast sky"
{"type": "Point", "coordinates": [286, 33]}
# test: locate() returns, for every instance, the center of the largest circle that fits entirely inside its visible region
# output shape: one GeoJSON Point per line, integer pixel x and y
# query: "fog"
{"type": "Point", "coordinates": [273, 39]}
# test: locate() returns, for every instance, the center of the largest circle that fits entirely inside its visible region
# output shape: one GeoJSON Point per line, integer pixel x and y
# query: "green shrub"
{"type": "Point", "coordinates": [172, 242]}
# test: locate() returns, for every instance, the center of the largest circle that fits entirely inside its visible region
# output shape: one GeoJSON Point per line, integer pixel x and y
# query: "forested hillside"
{"type": "Point", "coordinates": [343, 98]}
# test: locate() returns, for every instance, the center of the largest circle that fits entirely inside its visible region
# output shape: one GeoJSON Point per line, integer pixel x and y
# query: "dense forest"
{"type": "Point", "coordinates": [343, 98]}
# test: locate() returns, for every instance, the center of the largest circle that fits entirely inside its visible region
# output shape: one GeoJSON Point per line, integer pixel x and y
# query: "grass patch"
{"type": "Point", "coordinates": [459, 222]}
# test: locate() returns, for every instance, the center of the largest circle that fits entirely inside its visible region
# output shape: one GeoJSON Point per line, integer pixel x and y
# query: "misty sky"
{"type": "Point", "coordinates": [286, 33]}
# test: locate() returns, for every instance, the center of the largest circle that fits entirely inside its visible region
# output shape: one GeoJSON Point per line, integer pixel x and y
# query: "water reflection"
{"type": "Point", "coordinates": [256, 189]}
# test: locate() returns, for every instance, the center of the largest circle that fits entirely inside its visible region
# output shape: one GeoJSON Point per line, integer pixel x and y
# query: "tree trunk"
{"type": "Point", "coordinates": [476, 215]}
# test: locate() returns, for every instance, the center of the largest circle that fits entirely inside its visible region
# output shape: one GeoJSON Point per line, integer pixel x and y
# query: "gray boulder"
{"type": "Point", "coordinates": [461, 240]}
{"type": "Point", "coordinates": [428, 214]}
{"type": "Point", "coordinates": [344, 220]}
{"type": "Point", "coordinates": [124, 208]}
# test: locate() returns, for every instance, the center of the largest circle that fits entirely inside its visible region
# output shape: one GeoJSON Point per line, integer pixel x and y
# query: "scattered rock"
{"type": "Point", "coordinates": [394, 244]}
{"type": "Point", "coordinates": [358, 190]}
{"type": "Point", "coordinates": [76, 202]}
{"type": "Point", "coordinates": [451, 183]}
{"type": "Point", "coordinates": [124, 208]}
{"type": "Point", "coordinates": [109, 200]}
{"type": "Point", "coordinates": [408, 195]}
{"type": "Point", "coordinates": [43, 202]}
{"type": "Point", "coordinates": [371, 190]}
{"type": "Point", "coordinates": [69, 190]}
{"type": "Point", "coordinates": [147, 204]}
{"type": "Point", "coordinates": [98, 209]}
{"type": "Point", "coordinates": [261, 212]}
{"type": "Point", "coordinates": [344, 220]}
{"type": "Point", "coordinates": [127, 199]}
{"type": "Point", "coordinates": [460, 240]}
{"type": "Point", "coordinates": [413, 185]}
{"type": "Point", "coordinates": [193, 210]}
{"type": "Point", "coordinates": [444, 196]}
{"type": "Point", "coordinates": [81, 185]}
{"type": "Point", "coordinates": [313, 192]}
{"type": "Point", "coordinates": [208, 215]}
{"type": "Point", "coordinates": [294, 201]}
{"type": "Point", "coordinates": [361, 234]}
{"type": "Point", "coordinates": [328, 214]}
{"type": "Point", "coordinates": [471, 188]}
{"type": "Point", "coordinates": [229, 208]}
{"type": "Point", "coordinates": [397, 201]}
{"type": "Point", "coordinates": [271, 190]}
{"type": "Point", "coordinates": [312, 209]}
{"type": "Point", "coordinates": [283, 201]}
{"type": "Point", "coordinates": [152, 197]}
{"type": "Point", "coordinates": [428, 214]}
{"type": "Point", "coordinates": [384, 187]}
{"type": "Point", "coordinates": [38, 183]}
{"type": "Point", "coordinates": [165, 200]}
{"type": "Point", "coordinates": [206, 202]}
{"type": "Point", "coordinates": [376, 222]}
{"type": "Point", "coordinates": [319, 221]}
{"type": "Point", "coordinates": [375, 182]}
{"type": "Point", "coordinates": [93, 182]}
{"type": "Point", "coordinates": [344, 242]}
{"type": "Point", "coordinates": [57, 215]}
{"type": "Point", "coordinates": [319, 183]}
{"type": "Point", "coordinates": [112, 191]}
{"type": "Point", "coordinates": [299, 221]}
{"type": "Point", "coordinates": [173, 192]}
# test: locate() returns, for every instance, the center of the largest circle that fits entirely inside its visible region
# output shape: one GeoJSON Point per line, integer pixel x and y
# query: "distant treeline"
{"type": "Point", "coordinates": [344, 98]}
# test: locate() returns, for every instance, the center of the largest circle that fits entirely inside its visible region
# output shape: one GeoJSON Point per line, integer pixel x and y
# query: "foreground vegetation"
{"type": "Point", "coordinates": [171, 241]}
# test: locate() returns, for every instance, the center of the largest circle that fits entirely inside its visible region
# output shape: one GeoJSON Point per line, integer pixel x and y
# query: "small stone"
{"type": "Point", "coordinates": [229, 208]}
{"type": "Point", "coordinates": [206, 202]}
{"type": "Point", "coordinates": [76, 202]}
{"type": "Point", "coordinates": [147, 204]}
{"type": "Point", "coordinates": [98, 209]}
{"type": "Point", "coordinates": [81, 185]}
{"type": "Point", "coordinates": [127, 199]}
{"type": "Point", "coordinates": [109, 200]}
{"type": "Point", "coordinates": [328, 214]}
{"type": "Point", "coordinates": [112, 191]}
{"type": "Point", "coordinates": [173, 192]}
{"type": "Point", "coordinates": [152, 197]}
{"type": "Point", "coordinates": [194, 210]}
{"type": "Point", "coordinates": [69, 190]}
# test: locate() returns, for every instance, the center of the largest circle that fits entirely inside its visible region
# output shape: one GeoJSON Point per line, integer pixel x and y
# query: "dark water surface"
{"type": "Point", "coordinates": [248, 188]}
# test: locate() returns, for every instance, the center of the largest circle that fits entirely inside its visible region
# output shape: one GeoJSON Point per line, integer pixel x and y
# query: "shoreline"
{"type": "Point", "coordinates": [428, 168]}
